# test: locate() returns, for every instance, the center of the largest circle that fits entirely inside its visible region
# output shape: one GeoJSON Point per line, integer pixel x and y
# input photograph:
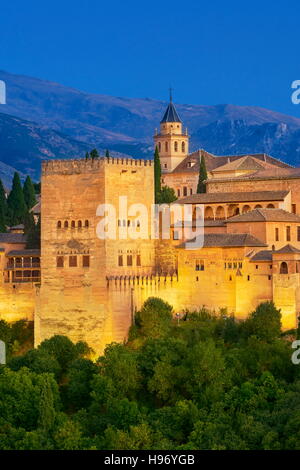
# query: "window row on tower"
{"type": "Point", "coordinates": [176, 146]}
{"type": "Point", "coordinates": [73, 224]}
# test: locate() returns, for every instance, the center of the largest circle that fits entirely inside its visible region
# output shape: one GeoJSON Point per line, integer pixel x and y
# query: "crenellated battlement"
{"type": "Point", "coordinates": [82, 165]}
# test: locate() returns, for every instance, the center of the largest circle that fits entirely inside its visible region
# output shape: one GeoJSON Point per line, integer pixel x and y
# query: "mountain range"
{"type": "Point", "coordinates": [43, 120]}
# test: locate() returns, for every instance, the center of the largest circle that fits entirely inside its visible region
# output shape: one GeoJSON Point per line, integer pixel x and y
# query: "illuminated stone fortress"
{"type": "Point", "coordinates": [88, 287]}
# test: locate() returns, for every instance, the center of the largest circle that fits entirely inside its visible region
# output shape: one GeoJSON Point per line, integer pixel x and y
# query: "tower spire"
{"type": "Point", "coordinates": [171, 95]}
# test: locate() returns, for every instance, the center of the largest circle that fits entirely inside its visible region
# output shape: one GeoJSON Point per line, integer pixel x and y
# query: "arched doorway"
{"type": "Point", "coordinates": [284, 268]}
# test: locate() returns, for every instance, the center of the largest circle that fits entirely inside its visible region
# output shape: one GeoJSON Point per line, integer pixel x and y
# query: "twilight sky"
{"type": "Point", "coordinates": [212, 52]}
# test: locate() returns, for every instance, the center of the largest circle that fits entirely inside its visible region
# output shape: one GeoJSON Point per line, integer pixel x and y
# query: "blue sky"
{"type": "Point", "coordinates": [212, 52]}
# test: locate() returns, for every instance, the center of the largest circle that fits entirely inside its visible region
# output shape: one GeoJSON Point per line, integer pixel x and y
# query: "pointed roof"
{"type": "Point", "coordinates": [171, 114]}
{"type": "Point", "coordinates": [288, 249]}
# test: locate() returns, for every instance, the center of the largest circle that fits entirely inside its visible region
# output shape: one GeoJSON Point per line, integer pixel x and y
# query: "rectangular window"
{"type": "Point", "coordinates": [294, 208]}
{"type": "Point", "coordinates": [199, 265]}
{"type": "Point", "coordinates": [73, 261]}
{"type": "Point", "coordinates": [60, 262]}
{"type": "Point", "coordinates": [277, 234]}
{"type": "Point", "coordinates": [288, 234]}
{"type": "Point", "coordinates": [138, 260]}
{"type": "Point", "coordinates": [85, 261]}
{"type": "Point", "coordinates": [178, 192]}
{"type": "Point", "coordinates": [298, 234]}
{"type": "Point", "coordinates": [120, 261]}
{"type": "Point", "coordinates": [185, 191]}
{"type": "Point", "coordinates": [129, 260]}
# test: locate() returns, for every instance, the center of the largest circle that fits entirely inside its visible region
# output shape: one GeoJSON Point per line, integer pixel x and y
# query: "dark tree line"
{"type": "Point", "coordinates": [16, 208]}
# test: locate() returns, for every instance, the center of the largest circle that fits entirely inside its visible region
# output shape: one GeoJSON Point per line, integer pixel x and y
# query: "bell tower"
{"type": "Point", "coordinates": [171, 141]}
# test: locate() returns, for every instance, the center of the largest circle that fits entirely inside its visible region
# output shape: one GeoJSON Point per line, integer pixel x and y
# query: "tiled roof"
{"type": "Point", "coordinates": [228, 240]}
{"type": "Point", "coordinates": [265, 215]}
{"type": "Point", "coordinates": [24, 253]}
{"type": "Point", "coordinates": [233, 197]}
{"type": "Point", "coordinates": [171, 114]}
{"type": "Point", "coordinates": [215, 161]}
{"type": "Point", "coordinates": [264, 255]}
{"type": "Point", "coordinates": [288, 249]}
{"type": "Point", "coordinates": [265, 174]}
{"type": "Point", "coordinates": [245, 163]}
{"type": "Point", "coordinates": [12, 238]}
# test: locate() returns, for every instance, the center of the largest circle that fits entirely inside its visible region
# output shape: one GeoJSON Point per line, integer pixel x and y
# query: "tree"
{"type": "Point", "coordinates": [46, 407]}
{"type": "Point", "coordinates": [37, 188]}
{"type": "Point", "coordinates": [29, 193]}
{"type": "Point", "coordinates": [155, 318]}
{"type": "Point", "coordinates": [87, 156]}
{"type": "Point", "coordinates": [107, 153]}
{"type": "Point", "coordinates": [264, 322]}
{"type": "Point", "coordinates": [157, 176]}
{"type": "Point", "coordinates": [201, 188]}
{"type": "Point", "coordinates": [94, 154]}
{"type": "Point", "coordinates": [16, 202]}
{"type": "Point", "coordinates": [166, 195]}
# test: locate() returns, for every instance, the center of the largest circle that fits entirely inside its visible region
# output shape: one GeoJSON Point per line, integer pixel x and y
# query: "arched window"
{"type": "Point", "coordinates": [159, 146]}
{"type": "Point", "coordinates": [284, 268]}
{"type": "Point", "coordinates": [183, 147]}
{"type": "Point", "coordinates": [220, 213]}
{"type": "Point", "coordinates": [59, 224]}
{"type": "Point", "coordinates": [73, 224]}
{"type": "Point", "coordinates": [258, 206]}
{"type": "Point", "coordinates": [86, 223]}
{"type": "Point", "coordinates": [270, 206]}
{"type": "Point", "coordinates": [246, 208]}
{"type": "Point", "coordinates": [178, 192]}
{"type": "Point", "coordinates": [209, 214]}
{"type": "Point", "coordinates": [166, 146]}
{"type": "Point", "coordinates": [175, 146]}
{"type": "Point", "coordinates": [79, 224]}
{"type": "Point", "coordinates": [66, 224]}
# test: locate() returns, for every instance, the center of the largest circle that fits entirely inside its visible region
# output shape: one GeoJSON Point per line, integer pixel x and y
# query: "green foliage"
{"type": "Point", "coordinates": [264, 322]}
{"type": "Point", "coordinates": [16, 202]}
{"type": "Point", "coordinates": [157, 175]}
{"type": "Point", "coordinates": [205, 382]}
{"type": "Point", "coordinates": [107, 153]}
{"type": "Point", "coordinates": [154, 319]}
{"type": "Point", "coordinates": [201, 188]}
{"type": "Point", "coordinates": [29, 193]}
{"type": "Point", "coordinates": [166, 195]}
{"type": "Point", "coordinates": [94, 154]}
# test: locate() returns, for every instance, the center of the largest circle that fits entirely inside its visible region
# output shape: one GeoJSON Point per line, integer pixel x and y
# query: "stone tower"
{"type": "Point", "coordinates": [77, 263]}
{"type": "Point", "coordinates": [172, 143]}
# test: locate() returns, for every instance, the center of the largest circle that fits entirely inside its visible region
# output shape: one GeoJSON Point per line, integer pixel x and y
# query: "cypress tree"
{"type": "Point", "coordinates": [201, 188]}
{"type": "Point", "coordinates": [16, 202]}
{"type": "Point", "coordinates": [94, 154]}
{"type": "Point", "coordinates": [46, 407]}
{"type": "Point", "coordinates": [107, 153]}
{"type": "Point", "coordinates": [29, 193]}
{"type": "Point", "coordinates": [2, 220]}
{"type": "Point", "coordinates": [87, 155]}
{"type": "Point", "coordinates": [157, 176]}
